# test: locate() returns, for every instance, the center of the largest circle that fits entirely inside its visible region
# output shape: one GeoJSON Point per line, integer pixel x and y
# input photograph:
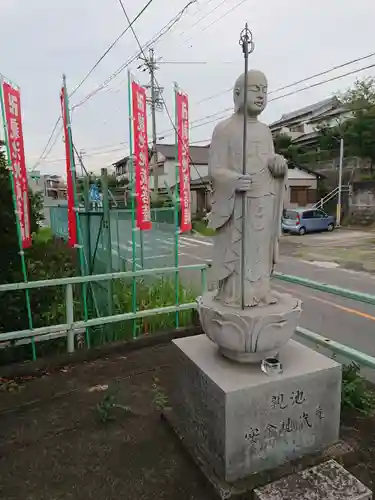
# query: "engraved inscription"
{"type": "Point", "coordinates": [298, 397]}
{"type": "Point", "coordinates": [319, 412]}
{"type": "Point", "coordinates": [252, 435]}
{"type": "Point", "coordinates": [280, 401]}
{"type": "Point", "coordinates": [273, 432]}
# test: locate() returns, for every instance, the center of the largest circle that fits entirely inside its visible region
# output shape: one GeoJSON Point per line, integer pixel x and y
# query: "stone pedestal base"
{"type": "Point", "coordinates": [240, 421]}
{"type": "Point", "coordinates": [252, 334]}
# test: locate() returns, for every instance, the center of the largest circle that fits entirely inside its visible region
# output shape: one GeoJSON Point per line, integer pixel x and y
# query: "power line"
{"type": "Point", "coordinates": [317, 84]}
{"type": "Point", "coordinates": [87, 155]}
{"type": "Point", "coordinates": [205, 16]}
{"type": "Point", "coordinates": [160, 93]}
{"type": "Point", "coordinates": [197, 62]}
{"type": "Point", "coordinates": [152, 41]}
{"type": "Point", "coordinates": [47, 144]}
{"type": "Point", "coordinates": [322, 73]}
{"type": "Point", "coordinates": [86, 77]}
{"type": "Point", "coordinates": [111, 46]}
{"type": "Point", "coordinates": [214, 22]}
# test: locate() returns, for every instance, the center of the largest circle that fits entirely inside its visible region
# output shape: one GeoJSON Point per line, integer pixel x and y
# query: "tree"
{"type": "Point", "coordinates": [358, 131]}
{"type": "Point", "coordinates": [42, 260]}
{"type": "Point", "coordinates": [359, 135]}
{"type": "Point", "coordinates": [283, 144]}
{"type": "Point", "coordinates": [360, 97]}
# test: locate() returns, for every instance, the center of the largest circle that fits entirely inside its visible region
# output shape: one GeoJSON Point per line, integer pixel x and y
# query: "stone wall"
{"type": "Point", "coordinates": [362, 203]}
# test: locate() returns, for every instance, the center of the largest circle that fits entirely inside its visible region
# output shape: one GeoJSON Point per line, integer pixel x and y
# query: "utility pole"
{"type": "Point", "coordinates": [338, 212]}
{"type": "Point", "coordinates": [153, 117]}
{"type": "Point", "coordinates": [156, 103]}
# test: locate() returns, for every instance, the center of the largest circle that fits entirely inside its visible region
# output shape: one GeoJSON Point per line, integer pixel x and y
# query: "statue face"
{"type": "Point", "coordinates": [256, 93]}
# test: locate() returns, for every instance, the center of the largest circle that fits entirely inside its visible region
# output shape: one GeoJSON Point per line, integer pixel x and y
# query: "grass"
{"type": "Point", "coordinates": [201, 228]}
{"type": "Point", "coordinates": [159, 292]}
{"type": "Point", "coordinates": [43, 235]}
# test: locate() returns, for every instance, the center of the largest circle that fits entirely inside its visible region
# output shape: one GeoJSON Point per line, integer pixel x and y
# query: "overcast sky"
{"type": "Point", "coordinates": [294, 39]}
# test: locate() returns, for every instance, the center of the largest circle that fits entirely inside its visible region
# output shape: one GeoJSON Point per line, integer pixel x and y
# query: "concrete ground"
{"type": "Point", "coordinates": [60, 438]}
{"type": "Point", "coordinates": [351, 249]}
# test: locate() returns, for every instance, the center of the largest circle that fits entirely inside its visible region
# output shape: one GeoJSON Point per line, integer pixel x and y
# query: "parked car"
{"type": "Point", "coordinates": [305, 220]}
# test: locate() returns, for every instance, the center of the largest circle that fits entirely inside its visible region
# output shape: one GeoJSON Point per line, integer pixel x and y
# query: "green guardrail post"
{"type": "Point", "coordinates": [132, 187]}
{"type": "Point", "coordinates": [176, 211]}
{"type": "Point", "coordinates": [69, 304]}
{"type": "Point", "coordinates": [107, 237]}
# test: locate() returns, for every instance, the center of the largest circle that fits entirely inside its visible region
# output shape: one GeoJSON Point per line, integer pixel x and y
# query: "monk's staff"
{"type": "Point", "coordinates": [246, 42]}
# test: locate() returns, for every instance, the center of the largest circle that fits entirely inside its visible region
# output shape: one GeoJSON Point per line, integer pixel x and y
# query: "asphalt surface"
{"type": "Point", "coordinates": [344, 320]}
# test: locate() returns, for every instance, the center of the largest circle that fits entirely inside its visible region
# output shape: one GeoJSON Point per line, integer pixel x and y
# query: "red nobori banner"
{"type": "Point", "coordinates": [72, 218]}
{"type": "Point", "coordinates": [183, 154]}
{"type": "Point", "coordinates": [141, 157]}
{"type": "Point", "coordinates": [12, 108]}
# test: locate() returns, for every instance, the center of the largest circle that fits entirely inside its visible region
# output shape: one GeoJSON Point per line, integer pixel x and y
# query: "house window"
{"type": "Point", "coordinates": [298, 128]}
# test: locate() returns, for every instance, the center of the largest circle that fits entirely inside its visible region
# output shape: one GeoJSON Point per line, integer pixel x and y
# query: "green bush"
{"type": "Point", "coordinates": [44, 260]}
{"type": "Point", "coordinates": [355, 392]}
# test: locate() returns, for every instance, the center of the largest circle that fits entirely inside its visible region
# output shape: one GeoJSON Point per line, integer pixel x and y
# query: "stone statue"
{"type": "Point", "coordinates": [263, 186]}
{"type": "Point", "coordinates": [268, 319]}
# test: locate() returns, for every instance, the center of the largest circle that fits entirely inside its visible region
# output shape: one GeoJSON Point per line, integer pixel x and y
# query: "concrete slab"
{"type": "Point", "coordinates": [327, 481]}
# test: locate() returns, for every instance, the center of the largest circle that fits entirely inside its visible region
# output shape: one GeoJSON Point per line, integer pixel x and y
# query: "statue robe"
{"type": "Point", "coordinates": [264, 204]}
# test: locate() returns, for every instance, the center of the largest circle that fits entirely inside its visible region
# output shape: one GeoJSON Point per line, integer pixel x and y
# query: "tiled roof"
{"type": "Point", "coordinates": [312, 108]}
{"type": "Point", "coordinates": [199, 154]}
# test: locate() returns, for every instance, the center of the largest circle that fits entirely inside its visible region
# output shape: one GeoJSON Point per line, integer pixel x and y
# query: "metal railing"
{"type": "Point", "coordinates": [330, 196]}
{"type": "Point", "coordinates": [71, 327]}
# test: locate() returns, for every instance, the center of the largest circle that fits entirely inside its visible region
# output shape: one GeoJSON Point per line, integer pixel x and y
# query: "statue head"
{"type": "Point", "coordinates": [256, 93]}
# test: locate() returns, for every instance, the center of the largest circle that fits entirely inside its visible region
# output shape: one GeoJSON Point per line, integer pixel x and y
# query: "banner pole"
{"type": "Point", "coordinates": [19, 237]}
{"type": "Point", "coordinates": [176, 209]}
{"type": "Point", "coordinates": [132, 187]}
{"type": "Point", "coordinates": [76, 209]}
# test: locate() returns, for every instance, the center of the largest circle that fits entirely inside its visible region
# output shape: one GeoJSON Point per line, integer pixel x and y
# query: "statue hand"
{"type": "Point", "coordinates": [243, 183]}
{"type": "Point", "coordinates": [278, 166]}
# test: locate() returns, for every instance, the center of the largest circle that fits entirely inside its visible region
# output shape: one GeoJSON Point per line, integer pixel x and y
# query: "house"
{"type": "Point", "coordinates": [303, 124]}
{"type": "Point", "coordinates": [51, 187]}
{"type": "Point", "coordinates": [301, 189]}
{"type": "Point", "coordinates": [166, 168]}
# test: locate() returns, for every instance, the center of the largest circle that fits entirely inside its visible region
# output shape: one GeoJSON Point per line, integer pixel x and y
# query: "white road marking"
{"type": "Point", "coordinates": [326, 265]}
{"type": "Point", "coordinates": [148, 257]}
{"type": "Point", "coordinates": [196, 240]}
{"type": "Point", "coordinates": [168, 242]}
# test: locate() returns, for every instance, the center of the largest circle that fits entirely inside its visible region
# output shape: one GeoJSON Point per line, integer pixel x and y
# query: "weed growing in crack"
{"type": "Point", "coordinates": [105, 409]}
{"type": "Point", "coordinates": [160, 398]}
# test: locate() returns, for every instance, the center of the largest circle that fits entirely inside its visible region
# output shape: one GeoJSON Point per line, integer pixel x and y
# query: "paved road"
{"type": "Point", "coordinates": [347, 321]}
{"type": "Point", "coordinates": [156, 250]}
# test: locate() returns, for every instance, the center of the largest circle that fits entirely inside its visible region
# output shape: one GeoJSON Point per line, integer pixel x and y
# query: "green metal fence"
{"type": "Point", "coordinates": [73, 325]}
{"type": "Point", "coordinates": [154, 248]}
{"type": "Point", "coordinates": [128, 318]}
{"type": "Point", "coordinates": [121, 266]}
